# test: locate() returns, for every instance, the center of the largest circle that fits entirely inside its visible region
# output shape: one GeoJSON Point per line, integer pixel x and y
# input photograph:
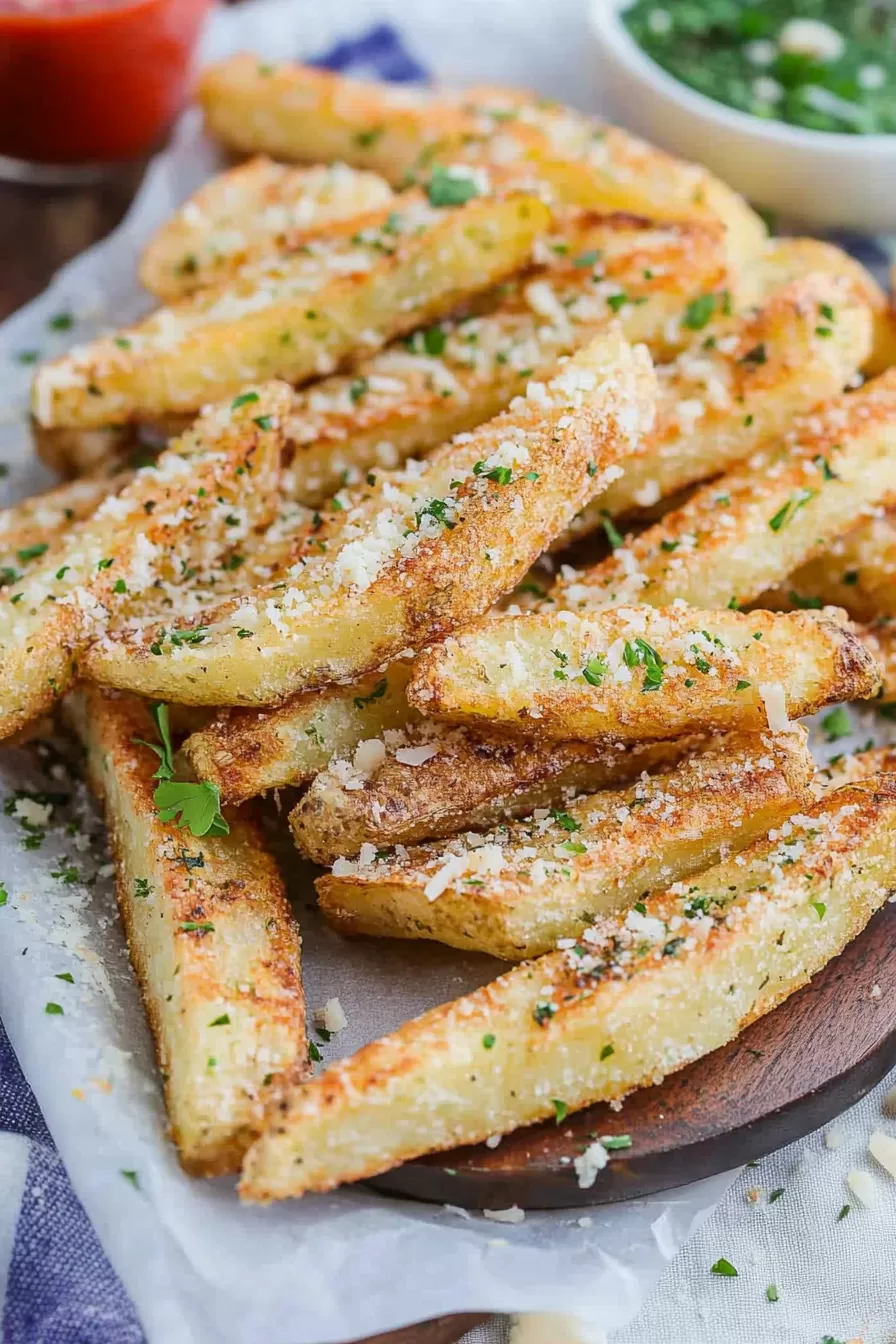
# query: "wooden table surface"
{"type": "Point", "coordinates": [40, 229]}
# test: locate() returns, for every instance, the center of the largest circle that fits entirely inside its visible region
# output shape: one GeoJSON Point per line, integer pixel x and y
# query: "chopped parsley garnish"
{"type": "Point", "coordinates": [607, 1051]}
{"type": "Point", "coordinates": [614, 536]}
{"type": "Point", "coordinates": [561, 1110]}
{"type": "Point", "coordinates": [820, 909]}
{"type": "Point", "coordinates": [132, 1177]}
{"type": "Point", "coordinates": [377, 693]}
{"type": "Point", "coordinates": [595, 669]}
{"type": "Point", "coordinates": [449, 188]}
{"type": "Point", "coordinates": [4, 894]}
{"type": "Point", "coordinates": [244, 399]}
{"type": "Point", "coordinates": [699, 311]}
{"type": "Point", "coordinates": [771, 1293]}
{"type": "Point", "coordinates": [264, 421]}
{"type": "Point", "coordinates": [824, 467]}
{"type": "Point", "coordinates": [837, 724]}
{"type": "Point", "coordinates": [197, 804]}
{"type": "Point", "coordinates": [366, 139]}
{"type": "Point", "coordinates": [543, 1012]}
{"type": "Point", "coordinates": [640, 652]}
{"type": "Point", "coordinates": [488, 1040]}
{"type": "Point", "coordinates": [725, 1268]}
{"type": "Point", "coordinates": [787, 512]}
{"type": "Point", "coordinates": [222, 1021]}
{"type": "Point", "coordinates": [586, 259]}
{"type": "Point", "coordinates": [194, 636]}
{"type": "Point", "coordinates": [776, 1195]}
{"type": "Point", "coordinates": [616, 301]}
{"type": "Point", "coordinates": [32, 552]}
{"type": "Point", "coordinates": [61, 322]}
{"type": "Point", "coordinates": [805, 603]}
{"type": "Point", "coordinates": [565, 821]}
{"type": "Point", "coordinates": [142, 888]}
{"type": "Point", "coordinates": [434, 339]}
{"type": "Point", "coordinates": [614, 1142]}
{"type": "Point", "coordinates": [66, 976]}
{"type": "Point", "coordinates": [314, 1053]}
{"type": "Point", "coordinates": [54, 1009]}
{"type": "Point", "coordinates": [844, 1212]}
{"type": "Point", "coordinates": [755, 356]}
{"type": "Point", "coordinates": [743, 685]}
{"type": "Point", "coordinates": [194, 926]}
{"type": "Point", "coordinates": [357, 389]}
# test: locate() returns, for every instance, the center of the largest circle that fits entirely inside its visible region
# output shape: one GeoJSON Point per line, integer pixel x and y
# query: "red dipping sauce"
{"type": "Point", "coordinates": [83, 81]}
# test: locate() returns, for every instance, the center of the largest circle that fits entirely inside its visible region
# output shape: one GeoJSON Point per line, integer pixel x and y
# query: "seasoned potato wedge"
{"type": "Point", "coordinates": [189, 511]}
{"type": "Point", "coordinates": [424, 551]}
{"type": "Point", "coordinates": [297, 112]}
{"type": "Point", "coordinates": [717, 406]}
{"type": "Point", "coordinates": [256, 208]}
{"type": "Point", "coordinates": [28, 528]}
{"type": "Point", "coordinates": [752, 527]}
{"type": "Point", "coordinates": [89, 452]}
{"type": "Point", "coordinates": [856, 571]}
{"type": "Point", "coordinates": [520, 888]}
{"type": "Point", "coordinates": [249, 751]}
{"type": "Point", "coordinates": [434, 779]}
{"type": "Point", "coordinates": [639, 673]}
{"type": "Point", "coordinates": [637, 997]}
{"type": "Point", "coordinates": [293, 316]}
{"type": "Point", "coordinates": [211, 939]}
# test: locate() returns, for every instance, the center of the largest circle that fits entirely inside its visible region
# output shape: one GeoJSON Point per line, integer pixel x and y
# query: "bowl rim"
{"type": "Point", "coordinates": [609, 30]}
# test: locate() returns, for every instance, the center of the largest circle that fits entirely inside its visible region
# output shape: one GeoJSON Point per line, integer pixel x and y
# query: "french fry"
{"type": "Point", "coordinates": [783, 260]}
{"type": "Point", "coordinates": [636, 998]}
{"type": "Point", "coordinates": [857, 571]}
{"type": "Point", "coordinates": [879, 638]}
{"type": "Point", "coordinates": [256, 208]}
{"type": "Point", "coordinates": [434, 780]}
{"type": "Point", "coordinates": [450, 377]}
{"type": "Point", "coordinates": [640, 673]}
{"type": "Point", "coordinates": [752, 527]}
{"type": "Point", "coordinates": [249, 751]}
{"type": "Point", "coordinates": [28, 528]}
{"type": "Point", "coordinates": [520, 888]}
{"type": "Point", "coordinates": [860, 765]}
{"type": "Point", "coordinates": [426, 550]}
{"type": "Point", "coordinates": [718, 406]}
{"type": "Point", "coordinates": [295, 316]}
{"type": "Point", "coordinates": [211, 939]}
{"type": "Point", "coordinates": [191, 509]}
{"type": "Point", "coordinates": [89, 452]}
{"type": "Point", "coordinates": [297, 112]}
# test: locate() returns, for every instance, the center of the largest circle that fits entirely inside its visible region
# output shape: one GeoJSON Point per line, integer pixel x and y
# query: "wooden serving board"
{"type": "Point", "coordinates": [786, 1075]}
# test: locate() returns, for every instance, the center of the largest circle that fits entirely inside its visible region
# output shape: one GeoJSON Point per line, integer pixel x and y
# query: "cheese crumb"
{"type": "Point", "coordinates": [331, 1017]}
{"type": "Point", "coordinates": [512, 1215]}
{"type": "Point", "coordinates": [587, 1166]}
{"type": "Point", "coordinates": [882, 1148]}
{"type": "Point", "coordinates": [863, 1186]}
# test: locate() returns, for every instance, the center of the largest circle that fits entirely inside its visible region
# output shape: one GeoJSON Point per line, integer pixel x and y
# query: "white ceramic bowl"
{"type": "Point", "coordinates": [817, 178]}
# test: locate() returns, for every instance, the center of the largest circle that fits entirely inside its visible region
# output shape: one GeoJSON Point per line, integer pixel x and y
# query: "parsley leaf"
{"type": "Point", "coordinates": [837, 724]}
{"type": "Point", "coordinates": [165, 751]}
{"type": "Point", "coordinates": [725, 1268]}
{"type": "Point", "coordinates": [197, 806]}
{"type": "Point", "coordinates": [450, 188]}
{"type": "Point", "coordinates": [377, 693]}
{"type": "Point", "coordinates": [699, 311]}
{"type": "Point", "coordinates": [561, 1110]}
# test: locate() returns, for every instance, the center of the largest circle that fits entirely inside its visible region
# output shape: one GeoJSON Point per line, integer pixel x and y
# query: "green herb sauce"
{"type": "Point", "coordinates": [825, 65]}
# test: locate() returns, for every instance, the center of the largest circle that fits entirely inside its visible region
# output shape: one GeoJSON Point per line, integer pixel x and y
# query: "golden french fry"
{"type": "Point", "coordinates": [249, 751]}
{"type": "Point", "coordinates": [297, 112]}
{"type": "Point", "coordinates": [423, 551]}
{"type": "Point", "coordinates": [192, 509]}
{"type": "Point", "coordinates": [636, 998]}
{"type": "Point", "coordinates": [517, 890]}
{"type": "Point", "coordinates": [294, 316]}
{"type": "Point", "coordinates": [211, 939]}
{"type": "Point", "coordinates": [751, 528]}
{"type": "Point", "coordinates": [641, 673]}
{"type": "Point", "coordinates": [435, 779]}
{"type": "Point", "coordinates": [256, 208]}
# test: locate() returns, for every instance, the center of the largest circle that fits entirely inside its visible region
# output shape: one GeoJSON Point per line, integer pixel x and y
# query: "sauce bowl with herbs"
{"type": "Point", "coordinates": [791, 101]}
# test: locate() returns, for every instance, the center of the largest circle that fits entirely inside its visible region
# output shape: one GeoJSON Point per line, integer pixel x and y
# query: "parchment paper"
{"type": "Point", "coordinates": [199, 1267]}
